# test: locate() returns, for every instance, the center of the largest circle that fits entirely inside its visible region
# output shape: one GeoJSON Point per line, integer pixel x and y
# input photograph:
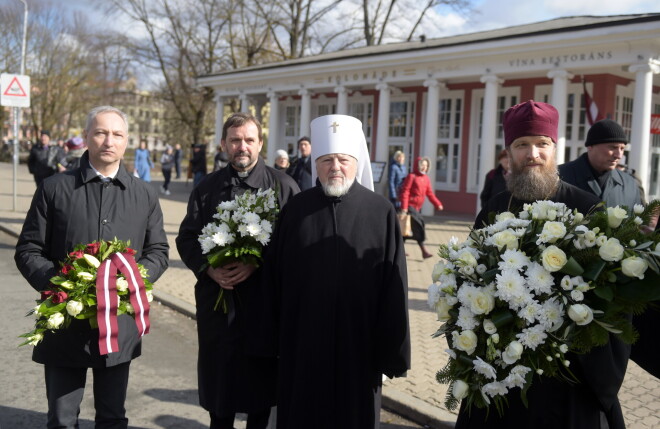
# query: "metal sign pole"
{"type": "Point", "coordinates": [16, 109]}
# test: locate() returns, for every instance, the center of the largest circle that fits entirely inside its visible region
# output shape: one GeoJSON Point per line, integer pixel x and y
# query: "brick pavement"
{"type": "Point", "coordinates": [418, 396]}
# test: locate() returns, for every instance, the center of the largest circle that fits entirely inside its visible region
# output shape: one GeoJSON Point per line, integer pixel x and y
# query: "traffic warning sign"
{"type": "Point", "coordinates": [14, 90]}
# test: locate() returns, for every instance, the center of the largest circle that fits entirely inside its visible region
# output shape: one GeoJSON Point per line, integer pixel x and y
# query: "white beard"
{"type": "Point", "coordinates": [339, 189]}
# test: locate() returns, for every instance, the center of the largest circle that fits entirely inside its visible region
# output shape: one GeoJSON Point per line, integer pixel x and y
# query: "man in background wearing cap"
{"type": "Point", "coordinates": [230, 380]}
{"type": "Point", "coordinates": [530, 134]}
{"type": "Point", "coordinates": [75, 149]}
{"type": "Point", "coordinates": [596, 170]}
{"type": "Point", "coordinates": [337, 270]}
{"type": "Point", "coordinates": [43, 158]}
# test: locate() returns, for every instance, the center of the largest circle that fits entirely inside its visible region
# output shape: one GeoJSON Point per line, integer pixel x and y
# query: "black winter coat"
{"type": "Point", "coordinates": [229, 380]}
{"type": "Point", "coordinates": [76, 207]}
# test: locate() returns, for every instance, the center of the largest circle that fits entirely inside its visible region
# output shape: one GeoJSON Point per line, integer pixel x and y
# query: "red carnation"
{"type": "Point", "coordinates": [130, 251]}
{"type": "Point", "coordinates": [66, 268]}
{"type": "Point", "coordinates": [57, 296]}
{"type": "Point", "coordinates": [93, 248]}
{"type": "Point", "coordinates": [77, 254]}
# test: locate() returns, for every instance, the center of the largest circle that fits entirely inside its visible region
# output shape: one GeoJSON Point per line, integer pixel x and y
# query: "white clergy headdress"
{"type": "Point", "coordinates": [342, 134]}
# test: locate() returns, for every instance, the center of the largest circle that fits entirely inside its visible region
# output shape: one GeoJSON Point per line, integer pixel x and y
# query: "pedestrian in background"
{"type": "Point", "coordinates": [416, 187]}
{"type": "Point", "coordinates": [220, 160]}
{"type": "Point", "coordinates": [178, 156]}
{"type": "Point", "coordinates": [143, 163]}
{"type": "Point", "coordinates": [397, 172]}
{"type": "Point", "coordinates": [44, 157]}
{"type": "Point", "coordinates": [198, 163]}
{"type": "Point", "coordinates": [301, 167]}
{"type": "Point", "coordinates": [166, 164]}
{"type": "Point", "coordinates": [495, 179]}
{"type": "Point", "coordinates": [281, 160]}
{"type": "Point", "coordinates": [75, 148]}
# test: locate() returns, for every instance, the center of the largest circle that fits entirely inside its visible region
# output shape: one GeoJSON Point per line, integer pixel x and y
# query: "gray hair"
{"type": "Point", "coordinates": [104, 109]}
{"type": "Point", "coordinates": [280, 153]}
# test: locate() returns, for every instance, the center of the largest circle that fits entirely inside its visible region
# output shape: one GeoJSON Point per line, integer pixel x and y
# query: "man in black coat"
{"type": "Point", "coordinates": [337, 268]}
{"type": "Point", "coordinates": [99, 200]}
{"type": "Point", "coordinates": [43, 158]}
{"type": "Point", "coordinates": [530, 133]}
{"type": "Point", "coordinates": [301, 167]}
{"type": "Point", "coordinates": [595, 171]}
{"type": "Point", "coordinates": [230, 380]}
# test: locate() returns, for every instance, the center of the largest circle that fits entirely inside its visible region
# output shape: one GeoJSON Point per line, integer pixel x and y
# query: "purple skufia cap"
{"type": "Point", "coordinates": [75, 143]}
{"type": "Point", "coordinates": [531, 118]}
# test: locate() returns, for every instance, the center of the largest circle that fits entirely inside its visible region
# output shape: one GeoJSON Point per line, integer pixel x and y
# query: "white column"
{"type": "Point", "coordinates": [273, 126]}
{"type": "Point", "coordinates": [305, 112]}
{"type": "Point", "coordinates": [560, 100]}
{"type": "Point", "coordinates": [245, 103]}
{"type": "Point", "coordinates": [342, 100]}
{"type": "Point", "coordinates": [489, 129]}
{"type": "Point", "coordinates": [383, 131]}
{"type": "Point", "coordinates": [430, 142]}
{"type": "Point", "coordinates": [641, 123]}
{"type": "Point", "coordinates": [219, 118]}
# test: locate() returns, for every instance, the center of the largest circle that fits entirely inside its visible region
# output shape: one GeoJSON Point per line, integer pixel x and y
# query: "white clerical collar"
{"type": "Point", "coordinates": [107, 178]}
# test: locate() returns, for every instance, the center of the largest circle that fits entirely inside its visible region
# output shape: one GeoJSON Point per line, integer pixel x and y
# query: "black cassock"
{"type": "Point", "coordinates": [339, 268]}
{"type": "Point", "coordinates": [555, 404]}
{"type": "Point", "coordinates": [229, 379]}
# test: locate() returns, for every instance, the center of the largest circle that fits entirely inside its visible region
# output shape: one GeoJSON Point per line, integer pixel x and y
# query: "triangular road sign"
{"type": "Point", "coordinates": [15, 89]}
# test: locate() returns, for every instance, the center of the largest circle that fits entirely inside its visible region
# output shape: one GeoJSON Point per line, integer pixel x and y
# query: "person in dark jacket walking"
{"type": "Point", "coordinates": [495, 179]}
{"type": "Point", "coordinates": [178, 157]}
{"type": "Point", "coordinates": [396, 174]}
{"type": "Point", "coordinates": [198, 163]}
{"type": "Point", "coordinates": [301, 167]}
{"type": "Point", "coordinates": [44, 157]}
{"type": "Point", "coordinates": [99, 200]}
{"type": "Point", "coordinates": [230, 380]}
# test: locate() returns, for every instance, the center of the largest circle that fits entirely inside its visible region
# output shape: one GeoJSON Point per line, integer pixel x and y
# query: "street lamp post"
{"type": "Point", "coordinates": [16, 109]}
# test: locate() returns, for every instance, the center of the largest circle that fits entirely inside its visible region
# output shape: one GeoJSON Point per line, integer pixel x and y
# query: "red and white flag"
{"type": "Point", "coordinates": [592, 110]}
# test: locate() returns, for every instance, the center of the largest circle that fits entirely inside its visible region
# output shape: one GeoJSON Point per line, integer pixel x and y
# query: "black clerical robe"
{"type": "Point", "coordinates": [553, 403]}
{"type": "Point", "coordinates": [339, 270]}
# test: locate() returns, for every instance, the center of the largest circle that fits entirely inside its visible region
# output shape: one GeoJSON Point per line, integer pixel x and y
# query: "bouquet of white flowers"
{"type": "Point", "coordinates": [518, 295]}
{"type": "Point", "coordinates": [242, 229]}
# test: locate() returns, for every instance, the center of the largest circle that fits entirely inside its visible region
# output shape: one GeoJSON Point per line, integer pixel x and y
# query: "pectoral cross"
{"type": "Point", "coordinates": [334, 127]}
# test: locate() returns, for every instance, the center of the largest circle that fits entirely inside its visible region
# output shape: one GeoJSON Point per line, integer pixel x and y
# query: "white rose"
{"type": "Point", "coordinates": [634, 266]}
{"type": "Point", "coordinates": [615, 215]}
{"type": "Point", "coordinates": [553, 259]}
{"type": "Point", "coordinates": [512, 352]}
{"type": "Point", "coordinates": [553, 231]}
{"type": "Point", "coordinates": [460, 389]}
{"type": "Point", "coordinates": [504, 216]}
{"type": "Point", "coordinates": [467, 259]}
{"type": "Point", "coordinates": [74, 307]}
{"type": "Point", "coordinates": [579, 217]}
{"type": "Point", "coordinates": [482, 302]}
{"type": "Point", "coordinates": [611, 250]}
{"type": "Point", "coordinates": [600, 240]}
{"type": "Point", "coordinates": [54, 321]}
{"type": "Point", "coordinates": [122, 285]}
{"type": "Point", "coordinates": [91, 260]}
{"type": "Point", "coordinates": [442, 309]}
{"type": "Point", "coordinates": [580, 314]}
{"type": "Point", "coordinates": [466, 341]}
{"type": "Point", "coordinates": [505, 239]}
{"type": "Point", "coordinates": [438, 269]}
{"type": "Point", "coordinates": [489, 327]}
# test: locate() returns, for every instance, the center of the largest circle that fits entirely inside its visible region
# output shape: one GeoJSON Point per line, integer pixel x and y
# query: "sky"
{"type": "Point", "coordinates": [504, 13]}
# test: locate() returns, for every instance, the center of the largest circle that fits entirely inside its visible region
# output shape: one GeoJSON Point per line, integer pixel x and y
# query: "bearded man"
{"type": "Point", "coordinates": [530, 134]}
{"type": "Point", "coordinates": [337, 268]}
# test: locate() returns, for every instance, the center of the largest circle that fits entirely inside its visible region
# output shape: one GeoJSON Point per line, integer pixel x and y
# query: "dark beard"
{"type": "Point", "coordinates": [533, 184]}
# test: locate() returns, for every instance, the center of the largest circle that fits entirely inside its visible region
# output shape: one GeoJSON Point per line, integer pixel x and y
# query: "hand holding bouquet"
{"type": "Point", "coordinates": [518, 295]}
{"type": "Point", "coordinates": [242, 229]}
{"type": "Point", "coordinates": [97, 282]}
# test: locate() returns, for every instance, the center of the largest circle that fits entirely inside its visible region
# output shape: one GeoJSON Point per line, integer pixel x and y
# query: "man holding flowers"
{"type": "Point", "coordinates": [530, 132]}
{"type": "Point", "coordinates": [230, 380]}
{"type": "Point", "coordinates": [97, 201]}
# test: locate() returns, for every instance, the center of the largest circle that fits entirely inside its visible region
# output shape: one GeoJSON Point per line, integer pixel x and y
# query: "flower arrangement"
{"type": "Point", "coordinates": [517, 296]}
{"type": "Point", "coordinates": [242, 229]}
{"type": "Point", "coordinates": [73, 291]}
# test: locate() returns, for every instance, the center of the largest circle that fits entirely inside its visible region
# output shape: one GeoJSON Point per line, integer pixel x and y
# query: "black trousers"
{"type": "Point", "coordinates": [258, 420]}
{"type": "Point", "coordinates": [65, 388]}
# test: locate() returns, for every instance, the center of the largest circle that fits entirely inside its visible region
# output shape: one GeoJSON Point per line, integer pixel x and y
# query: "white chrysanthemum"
{"type": "Point", "coordinates": [207, 245]}
{"type": "Point", "coordinates": [263, 238]}
{"type": "Point", "coordinates": [638, 220]}
{"type": "Point", "coordinates": [466, 319]}
{"type": "Point", "coordinates": [532, 337]}
{"type": "Point", "coordinates": [447, 282]}
{"type": "Point", "coordinates": [222, 238]}
{"type": "Point", "coordinates": [266, 226]}
{"type": "Point", "coordinates": [539, 280]}
{"type": "Point", "coordinates": [513, 260]}
{"type": "Point", "coordinates": [530, 312]}
{"type": "Point", "coordinates": [433, 295]}
{"type": "Point", "coordinates": [516, 377]}
{"type": "Point", "coordinates": [242, 229]}
{"type": "Point", "coordinates": [494, 388]}
{"type": "Point", "coordinates": [638, 209]}
{"type": "Point", "coordinates": [510, 285]}
{"type": "Point", "coordinates": [484, 368]}
{"type": "Point", "coordinates": [253, 229]}
{"type": "Point", "coordinates": [228, 205]}
{"type": "Point", "coordinates": [251, 218]}
{"type": "Point", "coordinates": [552, 315]}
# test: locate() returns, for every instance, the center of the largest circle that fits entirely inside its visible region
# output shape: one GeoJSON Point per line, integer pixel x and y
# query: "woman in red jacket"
{"type": "Point", "coordinates": [416, 186]}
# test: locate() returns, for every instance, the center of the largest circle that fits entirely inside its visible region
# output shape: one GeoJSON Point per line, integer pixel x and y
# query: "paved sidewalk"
{"type": "Point", "coordinates": [418, 396]}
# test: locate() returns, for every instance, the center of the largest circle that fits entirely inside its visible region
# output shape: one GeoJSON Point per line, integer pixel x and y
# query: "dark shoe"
{"type": "Point", "coordinates": [426, 255]}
